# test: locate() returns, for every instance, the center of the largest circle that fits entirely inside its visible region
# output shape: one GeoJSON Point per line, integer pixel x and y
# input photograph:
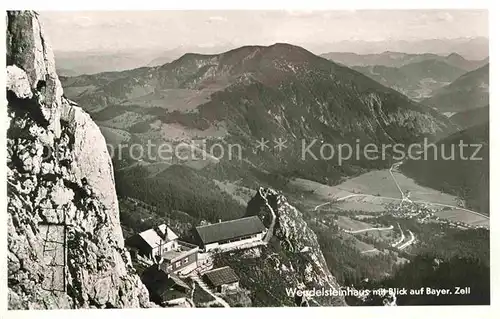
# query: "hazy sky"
{"type": "Point", "coordinates": [87, 30]}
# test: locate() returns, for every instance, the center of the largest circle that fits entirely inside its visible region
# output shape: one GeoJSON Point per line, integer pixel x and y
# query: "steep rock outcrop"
{"type": "Point", "coordinates": [295, 236]}
{"type": "Point", "coordinates": [65, 243]}
{"type": "Point", "coordinates": [291, 261]}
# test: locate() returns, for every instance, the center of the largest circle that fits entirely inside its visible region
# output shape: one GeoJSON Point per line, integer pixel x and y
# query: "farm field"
{"type": "Point", "coordinates": [463, 216]}
{"type": "Point", "coordinates": [377, 182]}
{"type": "Point", "coordinates": [372, 204]}
{"type": "Point", "coordinates": [419, 192]}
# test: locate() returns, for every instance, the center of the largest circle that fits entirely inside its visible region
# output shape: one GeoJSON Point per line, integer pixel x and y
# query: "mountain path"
{"type": "Point", "coordinates": [204, 286]}
{"type": "Point", "coordinates": [270, 231]}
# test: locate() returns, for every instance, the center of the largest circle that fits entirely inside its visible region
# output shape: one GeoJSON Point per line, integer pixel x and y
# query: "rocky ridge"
{"type": "Point", "coordinates": [65, 243]}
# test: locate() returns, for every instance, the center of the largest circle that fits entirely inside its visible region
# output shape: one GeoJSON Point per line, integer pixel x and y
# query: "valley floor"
{"type": "Point", "coordinates": [374, 191]}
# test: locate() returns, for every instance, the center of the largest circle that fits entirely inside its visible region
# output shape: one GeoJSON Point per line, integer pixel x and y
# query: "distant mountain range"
{"type": "Point", "coordinates": [416, 80]}
{"type": "Point", "coordinates": [415, 75]}
{"type": "Point", "coordinates": [91, 62]}
{"type": "Point", "coordinates": [398, 59]}
{"type": "Point", "coordinates": [471, 48]}
{"type": "Point", "coordinates": [469, 91]}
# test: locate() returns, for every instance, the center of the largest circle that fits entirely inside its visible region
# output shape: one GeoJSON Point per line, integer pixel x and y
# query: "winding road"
{"type": "Point", "coordinates": [408, 243]}
{"type": "Point", "coordinates": [402, 237]}
{"type": "Point", "coordinates": [368, 229]}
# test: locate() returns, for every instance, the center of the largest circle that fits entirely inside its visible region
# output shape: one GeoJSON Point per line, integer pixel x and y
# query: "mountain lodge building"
{"type": "Point", "coordinates": [229, 233]}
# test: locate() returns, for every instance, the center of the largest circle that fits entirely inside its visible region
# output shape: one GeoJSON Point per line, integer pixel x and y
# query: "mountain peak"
{"type": "Point", "coordinates": [284, 45]}
{"type": "Point", "coordinates": [455, 55]}
{"type": "Point", "coordinates": [282, 50]}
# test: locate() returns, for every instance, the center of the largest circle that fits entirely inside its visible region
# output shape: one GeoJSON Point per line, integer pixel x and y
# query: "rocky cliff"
{"type": "Point", "coordinates": [65, 243]}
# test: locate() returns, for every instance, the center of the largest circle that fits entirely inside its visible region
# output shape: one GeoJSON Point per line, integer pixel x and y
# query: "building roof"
{"type": "Point", "coordinates": [221, 276]}
{"type": "Point", "coordinates": [171, 254]}
{"type": "Point", "coordinates": [230, 229]}
{"type": "Point", "coordinates": [154, 236]}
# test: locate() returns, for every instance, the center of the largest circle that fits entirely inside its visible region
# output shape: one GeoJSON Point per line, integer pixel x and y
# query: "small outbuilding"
{"type": "Point", "coordinates": [222, 279]}
{"type": "Point", "coordinates": [163, 287]}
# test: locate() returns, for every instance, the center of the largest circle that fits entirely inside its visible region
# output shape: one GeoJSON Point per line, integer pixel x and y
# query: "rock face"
{"type": "Point", "coordinates": [65, 243]}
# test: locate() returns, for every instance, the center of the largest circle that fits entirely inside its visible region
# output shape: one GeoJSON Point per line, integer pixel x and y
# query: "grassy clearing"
{"type": "Point", "coordinates": [378, 183]}
{"type": "Point", "coordinates": [239, 193]}
{"type": "Point", "coordinates": [126, 120]}
{"type": "Point", "coordinates": [321, 192]}
{"type": "Point", "coordinates": [114, 136]}
{"type": "Point", "coordinates": [183, 100]}
{"type": "Point", "coordinates": [370, 204]}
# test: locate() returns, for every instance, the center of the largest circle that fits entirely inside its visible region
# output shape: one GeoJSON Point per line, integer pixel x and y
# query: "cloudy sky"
{"type": "Point", "coordinates": [87, 30]}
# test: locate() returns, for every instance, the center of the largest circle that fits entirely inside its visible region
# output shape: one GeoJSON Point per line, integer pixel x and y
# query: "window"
{"type": "Point", "coordinates": [178, 264]}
